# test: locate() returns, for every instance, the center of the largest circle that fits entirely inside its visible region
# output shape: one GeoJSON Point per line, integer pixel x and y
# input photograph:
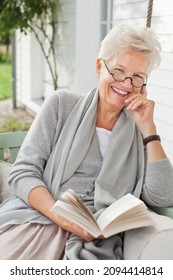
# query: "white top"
{"type": "Point", "coordinates": [103, 137]}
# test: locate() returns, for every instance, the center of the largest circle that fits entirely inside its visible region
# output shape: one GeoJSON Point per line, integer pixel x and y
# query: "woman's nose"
{"type": "Point", "coordinates": [128, 82]}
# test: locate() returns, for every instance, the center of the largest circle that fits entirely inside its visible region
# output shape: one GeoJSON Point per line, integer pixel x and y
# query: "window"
{"type": "Point", "coordinates": [106, 17]}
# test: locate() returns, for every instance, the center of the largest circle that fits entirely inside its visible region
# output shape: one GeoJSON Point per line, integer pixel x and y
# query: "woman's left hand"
{"type": "Point", "coordinates": [142, 110]}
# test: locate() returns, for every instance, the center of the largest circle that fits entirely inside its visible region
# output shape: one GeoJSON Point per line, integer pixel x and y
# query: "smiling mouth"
{"type": "Point", "coordinates": [120, 92]}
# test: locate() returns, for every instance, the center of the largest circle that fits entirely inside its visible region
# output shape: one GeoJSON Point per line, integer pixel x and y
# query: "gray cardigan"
{"type": "Point", "coordinates": [27, 172]}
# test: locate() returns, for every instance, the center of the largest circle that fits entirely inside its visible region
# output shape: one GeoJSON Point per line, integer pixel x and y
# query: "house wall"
{"type": "Point", "coordinates": [87, 44]}
{"type": "Point", "coordinates": [160, 83]}
{"type": "Point", "coordinates": [23, 85]}
{"type": "Point", "coordinates": [77, 45]}
{"type": "Point", "coordinates": [66, 38]}
{"type": "Point", "coordinates": [29, 71]}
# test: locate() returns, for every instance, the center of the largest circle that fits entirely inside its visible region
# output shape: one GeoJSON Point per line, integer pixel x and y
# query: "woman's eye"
{"type": "Point", "coordinates": [119, 70]}
{"type": "Point", "coordinates": [136, 76]}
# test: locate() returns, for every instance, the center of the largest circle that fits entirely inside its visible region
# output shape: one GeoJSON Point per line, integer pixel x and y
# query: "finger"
{"type": "Point", "coordinates": [87, 235]}
{"type": "Point", "coordinates": [133, 98]}
{"type": "Point", "coordinates": [135, 104]}
{"type": "Point", "coordinates": [101, 237]}
{"type": "Point", "coordinates": [82, 233]}
{"type": "Point", "coordinates": [144, 91]}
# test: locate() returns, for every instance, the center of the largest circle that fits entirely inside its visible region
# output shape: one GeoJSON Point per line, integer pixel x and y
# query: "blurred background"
{"type": "Point", "coordinates": [49, 45]}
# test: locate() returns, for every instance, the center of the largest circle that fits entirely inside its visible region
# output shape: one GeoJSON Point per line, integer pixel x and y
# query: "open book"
{"type": "Point", "coordinates": [126, 213]}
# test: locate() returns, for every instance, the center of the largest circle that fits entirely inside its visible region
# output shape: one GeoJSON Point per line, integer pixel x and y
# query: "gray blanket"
{"type": "Point", "coordinates": [99, 249]}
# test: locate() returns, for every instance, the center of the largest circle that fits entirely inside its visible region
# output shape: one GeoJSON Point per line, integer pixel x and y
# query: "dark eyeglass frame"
{"type": "Point", "coordinates": [131, 79]}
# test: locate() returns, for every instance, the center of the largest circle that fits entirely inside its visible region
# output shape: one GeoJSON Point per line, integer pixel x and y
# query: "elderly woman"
{"type": "Point", "coordinates": [103, 145]}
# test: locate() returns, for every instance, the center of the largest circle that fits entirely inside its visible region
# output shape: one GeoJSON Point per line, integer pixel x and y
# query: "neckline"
{"type": "Point", "coordinates": [103, 129]}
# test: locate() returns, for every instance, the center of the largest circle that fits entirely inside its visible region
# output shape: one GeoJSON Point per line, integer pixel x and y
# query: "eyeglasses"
{"type": "Point", "coordinates": [118, 75]}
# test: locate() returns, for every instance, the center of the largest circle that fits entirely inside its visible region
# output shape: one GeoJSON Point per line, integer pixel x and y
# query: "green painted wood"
{"type": "Point", "coordinates": [12, 141]}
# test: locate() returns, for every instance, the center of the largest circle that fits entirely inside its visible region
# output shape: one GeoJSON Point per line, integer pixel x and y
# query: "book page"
{"type": "Point", "coordinates": [123, 205]}
{"type": "Point", "coordinates": [134, 220]}
{"type": "Point", "coordinates": [72, 214]}
{"type": "Point", "coordinates": [72, 198]}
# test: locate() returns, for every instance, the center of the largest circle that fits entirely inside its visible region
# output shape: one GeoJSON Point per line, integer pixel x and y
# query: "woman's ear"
{"type": "Point", "coordinates": [98, 66]}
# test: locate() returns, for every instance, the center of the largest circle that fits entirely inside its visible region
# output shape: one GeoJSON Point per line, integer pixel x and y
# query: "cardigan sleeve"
{"type": "Point", "coordinates": [27, 171]}
{"type": "Point", "coordinates": [158, 184]}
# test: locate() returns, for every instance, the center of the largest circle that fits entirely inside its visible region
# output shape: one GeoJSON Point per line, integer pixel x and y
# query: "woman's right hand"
{"type": "Point", "coordinates": [41, 199]}
{"type": "Point", "coordinates": [73, 228]}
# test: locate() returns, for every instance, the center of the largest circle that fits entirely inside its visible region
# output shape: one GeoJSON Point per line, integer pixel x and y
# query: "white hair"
{"type": "Point", "coordinates": [123, 38]}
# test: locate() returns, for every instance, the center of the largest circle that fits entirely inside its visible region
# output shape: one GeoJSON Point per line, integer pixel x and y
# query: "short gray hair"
{"type": "Point", "coordinates": [123, 37]}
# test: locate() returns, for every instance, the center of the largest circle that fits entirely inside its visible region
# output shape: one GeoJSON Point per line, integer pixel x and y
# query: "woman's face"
{"type": "Point", "coordinates": [113, 93]}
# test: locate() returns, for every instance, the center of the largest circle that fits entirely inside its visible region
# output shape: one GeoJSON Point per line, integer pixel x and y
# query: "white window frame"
{"type": "Point", "coordinates": [106, 17]}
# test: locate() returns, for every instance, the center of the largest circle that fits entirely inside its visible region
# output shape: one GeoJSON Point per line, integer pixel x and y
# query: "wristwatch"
{"type": "Point", "coordinates": [151, 138]}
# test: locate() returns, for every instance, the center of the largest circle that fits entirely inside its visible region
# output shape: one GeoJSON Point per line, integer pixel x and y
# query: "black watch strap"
{"type": "Point", "coordinates": [151, 138]}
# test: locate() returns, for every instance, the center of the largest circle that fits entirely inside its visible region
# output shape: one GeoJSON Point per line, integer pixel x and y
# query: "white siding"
{"type": "Point", "coordinates": [160, 84]}
{"type": "Point", "coordinates": [66, 44]}
{"type": "Point", "coordinates": [87, 44]}
{"type": "Point", "coordinates": [29, 70]}
{"type": "Point", "coordinates": [23, 78]}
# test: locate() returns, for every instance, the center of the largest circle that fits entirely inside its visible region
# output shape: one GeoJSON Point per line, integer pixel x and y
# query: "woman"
{"type": "Point", "coordinates": [94, 145]}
